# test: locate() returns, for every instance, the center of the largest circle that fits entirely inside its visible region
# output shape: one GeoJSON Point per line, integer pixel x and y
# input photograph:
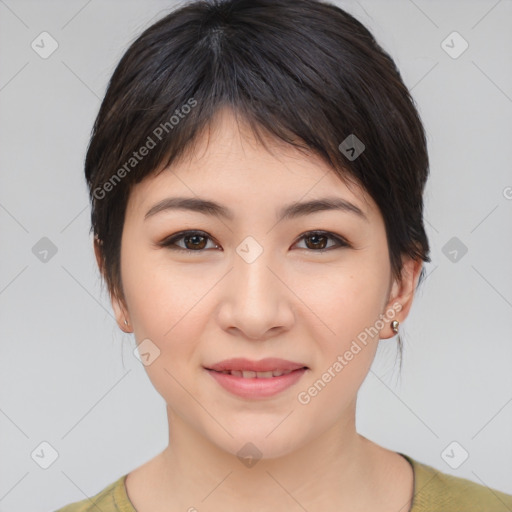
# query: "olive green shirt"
{"type": "Point", "coordinates": [434, 491]}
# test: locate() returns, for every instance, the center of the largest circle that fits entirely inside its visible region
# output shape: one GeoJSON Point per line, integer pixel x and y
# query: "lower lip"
{"type": "Point", "coordinates": [254, 387]}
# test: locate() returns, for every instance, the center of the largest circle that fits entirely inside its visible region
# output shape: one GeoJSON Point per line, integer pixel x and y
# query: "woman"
{"type": "Point", "coordinates": [256, 174]}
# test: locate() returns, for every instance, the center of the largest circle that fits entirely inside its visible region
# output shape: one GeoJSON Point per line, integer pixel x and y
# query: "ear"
{"type": "Point", "coordinates": [118, 305]}
{"type": "Point", "coordinates": [401, 295]}
{"type": "Point", "coordinates": [99, 254]}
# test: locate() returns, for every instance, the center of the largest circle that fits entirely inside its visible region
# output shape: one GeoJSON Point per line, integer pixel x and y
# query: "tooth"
{"type": "Point", "coordinates": [247, 374]}
{"type": "Point", "coordinates": [264, 375]}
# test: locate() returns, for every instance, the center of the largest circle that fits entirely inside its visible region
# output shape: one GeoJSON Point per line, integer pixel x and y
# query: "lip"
{"type": "Point", "coordinates": [254, 388]}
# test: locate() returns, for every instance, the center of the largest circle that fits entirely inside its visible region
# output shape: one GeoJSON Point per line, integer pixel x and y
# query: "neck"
{"type": "Point", "coordinates": [193, 473]}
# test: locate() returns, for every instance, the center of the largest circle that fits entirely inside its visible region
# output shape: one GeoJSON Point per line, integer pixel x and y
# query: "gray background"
{"type": "Point", "coordinates": [68, 376]}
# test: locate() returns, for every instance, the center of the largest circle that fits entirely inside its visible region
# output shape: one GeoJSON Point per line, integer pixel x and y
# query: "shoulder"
{"type": "Point", "coordinates": [112, 498]}
{"type": "Point", "coordinates": [437, 491]}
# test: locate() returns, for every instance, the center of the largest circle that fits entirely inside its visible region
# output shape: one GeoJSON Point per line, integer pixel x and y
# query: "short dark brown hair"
{"type": "Point", "coordinates": [303, 71]}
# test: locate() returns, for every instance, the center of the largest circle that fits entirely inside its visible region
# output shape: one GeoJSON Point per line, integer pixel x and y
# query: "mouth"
{"type": "Point", "coordinates": [256, 379]}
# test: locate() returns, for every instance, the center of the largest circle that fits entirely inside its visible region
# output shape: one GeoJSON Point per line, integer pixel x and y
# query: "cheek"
{"type": "Point", "coordinates": [165, 307]}
{"type": "Point", "coordinates": [349, 304]}
{"type": "Point", "coordinates": [349, 297]}
{"type": "Point", "coordinates": [162, 296]}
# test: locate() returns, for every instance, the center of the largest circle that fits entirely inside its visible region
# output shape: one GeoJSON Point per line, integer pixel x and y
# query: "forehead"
{"type": "Point", "coordinates": [228, 164]}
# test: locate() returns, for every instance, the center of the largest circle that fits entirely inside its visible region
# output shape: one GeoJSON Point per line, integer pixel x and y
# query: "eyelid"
{"type": "Point", "coordinates": [341, 241]}
{"type": "Point", "coordinates": [169, 242]}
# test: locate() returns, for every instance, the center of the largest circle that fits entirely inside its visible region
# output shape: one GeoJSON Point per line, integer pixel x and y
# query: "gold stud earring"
{"type": "Point", "coordinates": [394, 326]}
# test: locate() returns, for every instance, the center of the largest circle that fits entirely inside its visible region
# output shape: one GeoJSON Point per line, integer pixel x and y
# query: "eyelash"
{"type": "Point", "coordinates": [170, 242]}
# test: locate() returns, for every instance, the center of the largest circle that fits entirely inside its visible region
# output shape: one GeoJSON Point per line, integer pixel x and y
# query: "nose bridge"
{"type": "Point", "coordinates": [252, 272]}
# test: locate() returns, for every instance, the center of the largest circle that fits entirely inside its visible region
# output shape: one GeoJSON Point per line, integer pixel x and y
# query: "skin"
{"type": "Point", "coordinates": [290, 302]}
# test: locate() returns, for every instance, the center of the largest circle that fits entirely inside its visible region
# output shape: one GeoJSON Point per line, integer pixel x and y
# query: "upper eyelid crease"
{"type": "Point", "coordinates": [290, 211]}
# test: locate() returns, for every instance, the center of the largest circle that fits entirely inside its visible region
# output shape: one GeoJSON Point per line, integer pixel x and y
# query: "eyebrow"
{"type": "Point", "coordinates": [291, 211]}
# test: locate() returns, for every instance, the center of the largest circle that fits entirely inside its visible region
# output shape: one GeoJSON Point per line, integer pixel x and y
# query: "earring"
{"type": "Point", "coordinates": [125, 322]}
{"type": "Point", "coordinates": [394, 325]}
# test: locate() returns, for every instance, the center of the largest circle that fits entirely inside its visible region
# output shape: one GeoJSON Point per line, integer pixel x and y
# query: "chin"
{"type": "Point", "coordinates": [255, 444]}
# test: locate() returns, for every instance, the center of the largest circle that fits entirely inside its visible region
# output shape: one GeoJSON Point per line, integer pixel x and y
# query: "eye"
{"type": "Point", "coordinates": [318, 240]}
{"type": "Point", "coordinates": [197, 241]}
{"type": "Point", "coordinates": [194, 241]}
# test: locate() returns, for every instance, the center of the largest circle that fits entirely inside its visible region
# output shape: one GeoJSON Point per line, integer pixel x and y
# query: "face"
{"type": "Point", "coordinates": [312, 288]}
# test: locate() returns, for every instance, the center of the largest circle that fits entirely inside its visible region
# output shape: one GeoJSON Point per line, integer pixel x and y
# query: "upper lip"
{"type": "Point", "coordinates": [263, 365]}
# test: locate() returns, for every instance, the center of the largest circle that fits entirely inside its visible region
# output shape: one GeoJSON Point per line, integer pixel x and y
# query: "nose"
{"type": "Point", "coordinates": [256, 302]}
